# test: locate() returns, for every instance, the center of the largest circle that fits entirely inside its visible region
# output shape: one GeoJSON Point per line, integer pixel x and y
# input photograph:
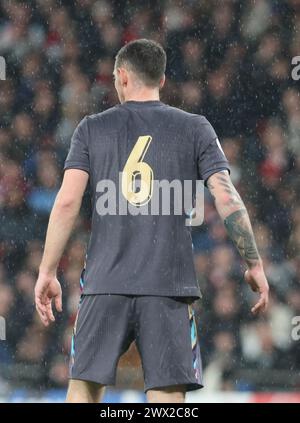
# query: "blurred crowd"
{"type": "Point", "coordinates": [228, 60]}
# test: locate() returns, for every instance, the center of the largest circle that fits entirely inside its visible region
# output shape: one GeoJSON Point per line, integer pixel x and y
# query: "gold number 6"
{"type": "Point", "coordinates": [135, 167]}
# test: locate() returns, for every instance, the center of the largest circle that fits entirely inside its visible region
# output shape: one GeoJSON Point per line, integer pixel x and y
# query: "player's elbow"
{"type": "Point", "coordinates": [226, 203]}
{"type": "Point", "coordinates": [224, 199]}
{"type": "Point", "coordinates": [66, 203]}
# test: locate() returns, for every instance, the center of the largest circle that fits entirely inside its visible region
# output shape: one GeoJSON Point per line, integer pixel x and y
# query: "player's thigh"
{"type": "Point", "coordinates": [101, 335]}
{"type": "Point", "coordinates": [169, 394]}
{"type": "Point", "coordinates": [81, 391]}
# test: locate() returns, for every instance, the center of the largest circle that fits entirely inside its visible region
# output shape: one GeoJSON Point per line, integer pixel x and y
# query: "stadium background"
{"type": "Point", "coordinates": [229, 60]}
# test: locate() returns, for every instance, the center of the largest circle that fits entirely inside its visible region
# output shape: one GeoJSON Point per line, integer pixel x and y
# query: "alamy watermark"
{"type": "Point", "coordinates": [296, 69]}
{"type": "Point", "coordinates": [2, 69]}
{"type": "Point", "coordinates": [151, 197]}
{"type": "Point", "coordinates": [2, 329]}
{"type": "Point", "coordinates": [296, 328]}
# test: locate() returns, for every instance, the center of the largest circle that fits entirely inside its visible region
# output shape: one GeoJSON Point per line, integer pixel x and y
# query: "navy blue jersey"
{"type": "Point", "coordinates": [127, 150]}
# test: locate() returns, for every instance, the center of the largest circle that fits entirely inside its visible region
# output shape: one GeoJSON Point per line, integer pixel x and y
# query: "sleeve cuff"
{"type": "Point", "coordinates": [79, 166]}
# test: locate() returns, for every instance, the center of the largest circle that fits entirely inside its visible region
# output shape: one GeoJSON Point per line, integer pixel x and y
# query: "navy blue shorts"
{"type": "Point", "coordinates": [164, 329]}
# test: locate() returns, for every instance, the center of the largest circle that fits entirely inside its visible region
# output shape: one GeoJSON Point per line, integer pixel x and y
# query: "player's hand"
{"type": "Point", "coordinates": [257, 280]}
{"type": "Point", "coordinates": [47, 289]}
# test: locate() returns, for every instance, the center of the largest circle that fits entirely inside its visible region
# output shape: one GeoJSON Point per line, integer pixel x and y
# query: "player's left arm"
{"type": "Point", "coordinates": [233, 212]}
{"type": "Point", "coordinates": [63, 215]}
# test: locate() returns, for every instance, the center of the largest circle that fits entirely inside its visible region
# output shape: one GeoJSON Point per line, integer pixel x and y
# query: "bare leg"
{"type": "Point", "coordinates": [169, 394]}
{"type": "Point", "coordinates": [84, 392]}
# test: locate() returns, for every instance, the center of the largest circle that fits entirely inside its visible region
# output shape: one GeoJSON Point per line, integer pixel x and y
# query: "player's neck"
{"type": "Point", "coordinates": [143, 95]}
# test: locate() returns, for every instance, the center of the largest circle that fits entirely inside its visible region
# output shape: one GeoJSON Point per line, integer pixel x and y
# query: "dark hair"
{"type": "Point", "coordinates": [144, 57]}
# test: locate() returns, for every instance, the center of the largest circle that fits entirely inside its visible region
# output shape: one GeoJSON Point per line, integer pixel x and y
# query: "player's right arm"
{"type": "Point", "coordinates": [61, 221]}
{"type": "Point", "coordinates": [236, 220]}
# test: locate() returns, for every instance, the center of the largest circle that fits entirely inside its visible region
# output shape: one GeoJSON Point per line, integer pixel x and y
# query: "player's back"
{"type": "Point", "coordinates": [139, 242]}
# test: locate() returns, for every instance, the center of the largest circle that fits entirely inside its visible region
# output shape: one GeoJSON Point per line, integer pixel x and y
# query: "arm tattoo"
{"type": "Point", "coordinates": [239, 229]}
{"type": "Point", "coordinates": [235, 216]}
{"type": "Point", "coordinates": [210, 187]}
{"type": "Point", "coordinates": [228, 187]}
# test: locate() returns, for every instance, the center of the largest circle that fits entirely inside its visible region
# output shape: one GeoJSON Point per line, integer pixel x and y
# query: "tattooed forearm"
{"type": "Point", "coordinates": [239, 229]}
{"type": "Point", "coordinates": [233, 212]}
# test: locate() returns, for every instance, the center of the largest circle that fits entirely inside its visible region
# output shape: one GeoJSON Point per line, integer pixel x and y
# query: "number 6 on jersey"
{"type": "Point", "coordinates": [135, 168]}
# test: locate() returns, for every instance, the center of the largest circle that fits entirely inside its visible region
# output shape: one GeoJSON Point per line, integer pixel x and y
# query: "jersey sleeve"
{"type": "Point", "coordinates": [78, 156]}
{"type": "Point", "coordinates": [211, 157]}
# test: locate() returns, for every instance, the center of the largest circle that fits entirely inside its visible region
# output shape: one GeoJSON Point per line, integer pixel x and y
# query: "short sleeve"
{"type": "Point", "coordinates": [211, 157]}
{"type": "Point", "coordinates": [78, 156]}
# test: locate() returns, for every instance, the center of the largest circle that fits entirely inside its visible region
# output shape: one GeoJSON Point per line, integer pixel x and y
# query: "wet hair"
{"type": "Point", "coordinates": [146, 58]}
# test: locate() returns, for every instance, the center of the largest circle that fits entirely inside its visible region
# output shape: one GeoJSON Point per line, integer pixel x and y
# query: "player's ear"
{"type": "Point", "coordinates": [162, 82]}
{"type": "Point", "coordinates": [123, 75]}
